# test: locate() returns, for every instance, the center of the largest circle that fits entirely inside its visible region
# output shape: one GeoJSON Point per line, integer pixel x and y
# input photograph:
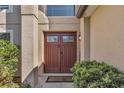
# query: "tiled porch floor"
{"type": "Point", "coordinates": [43, 84]}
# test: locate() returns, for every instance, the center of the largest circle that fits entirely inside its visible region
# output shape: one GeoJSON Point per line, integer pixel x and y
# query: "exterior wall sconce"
{"type": "Point", "coordinates": [79, 51]}
{"type": "Point", "coordinates": [79, 36]}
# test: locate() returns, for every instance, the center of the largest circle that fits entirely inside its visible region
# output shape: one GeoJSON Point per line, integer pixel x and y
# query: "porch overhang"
{"type": "Point", "coordinates": [85, 10]}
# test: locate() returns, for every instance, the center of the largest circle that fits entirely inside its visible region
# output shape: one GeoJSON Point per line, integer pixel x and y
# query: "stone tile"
{"type": "Point", "coordinates": [43, 84]}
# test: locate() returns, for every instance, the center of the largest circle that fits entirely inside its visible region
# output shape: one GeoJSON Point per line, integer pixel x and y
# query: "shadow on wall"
{"type": "Point", "coordinates": [13, 26]}
{"type": "Point", "coordinates": [32, 78]}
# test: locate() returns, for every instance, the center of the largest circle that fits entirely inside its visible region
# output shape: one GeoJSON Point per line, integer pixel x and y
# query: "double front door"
{"type": "Point", "coordinates": [60, 51]}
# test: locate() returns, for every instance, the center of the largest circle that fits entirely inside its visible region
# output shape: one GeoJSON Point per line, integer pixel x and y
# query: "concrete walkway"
{"type": "Point", "coordinates": [43, 84]}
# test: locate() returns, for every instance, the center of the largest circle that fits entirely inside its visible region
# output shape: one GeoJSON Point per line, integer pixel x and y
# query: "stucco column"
{"type": "Point", "coordinates": [29, 35]}
{"type": "Point", "coordinates": [43, 25]}
{"type": "Point", "coordinates": [82, 39]}
{"type": "Point", "coordinates": [85, 38]}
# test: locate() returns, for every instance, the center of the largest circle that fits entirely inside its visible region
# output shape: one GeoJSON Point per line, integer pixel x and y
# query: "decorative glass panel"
{"type": "Point", "coordinates": [5, 36]}
{"type": "Point", "coordinates": [52, 38]}
{"type": "Point", "coordinates": [68, 38]}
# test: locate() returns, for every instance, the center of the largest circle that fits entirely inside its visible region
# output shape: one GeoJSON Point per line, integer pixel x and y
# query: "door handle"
{"type": "Point", "coordinates": [61, 53]}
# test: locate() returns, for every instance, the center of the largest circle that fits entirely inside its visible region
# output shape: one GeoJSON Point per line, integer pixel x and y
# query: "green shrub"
{"type": "Point", "coordinates": [96, 75]}
{"type": "Point", "coordinates": [24, 85]}
{"type": "Point", "coordinates": [9, 55]}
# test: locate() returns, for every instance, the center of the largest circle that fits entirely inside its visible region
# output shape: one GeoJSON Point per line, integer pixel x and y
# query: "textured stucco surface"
{"type": "Point", "coordinates": [82, 38]}
{"type": "Point", "coordinates": [85, 38]}
{"type": "Point", "coordinates": [64, 23]}
{"type": "Point", "coordinates": [29, 43]}
{"type": "Point", "coordinates": [43, 25]}
{"type": "Point", "coordinates": [107, 40]}
{"type": "Point", "coordinates": [29, 9]}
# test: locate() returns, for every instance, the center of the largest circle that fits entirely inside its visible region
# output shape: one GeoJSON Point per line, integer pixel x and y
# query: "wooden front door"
{"type": "Point", "coordinates": [60, 51]}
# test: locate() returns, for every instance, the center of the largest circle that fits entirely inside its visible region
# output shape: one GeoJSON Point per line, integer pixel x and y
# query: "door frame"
{"type": "Point", "coordinates": [76, 33]}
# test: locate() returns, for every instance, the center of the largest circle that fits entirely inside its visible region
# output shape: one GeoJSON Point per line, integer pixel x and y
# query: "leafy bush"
{"type": "Point", "coordinates": [96, 75]}
{"type": "Point", "coordinates": [9, 55]}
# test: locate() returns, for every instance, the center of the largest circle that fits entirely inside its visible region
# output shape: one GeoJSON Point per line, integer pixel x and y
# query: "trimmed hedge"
{"type": "Point", "coordinates": [96, 75]}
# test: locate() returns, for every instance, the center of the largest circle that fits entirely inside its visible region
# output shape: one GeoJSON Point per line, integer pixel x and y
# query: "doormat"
{"type": "Point", "coordinates": [59, 79]}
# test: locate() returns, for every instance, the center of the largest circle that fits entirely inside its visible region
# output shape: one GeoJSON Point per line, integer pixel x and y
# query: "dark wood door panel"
{"type": "Point", "coordinates": [52, 58]}
{"type": "Point", "coordinates": [60, 55]}
{"type": "Point", "coordinates": [68, 57]}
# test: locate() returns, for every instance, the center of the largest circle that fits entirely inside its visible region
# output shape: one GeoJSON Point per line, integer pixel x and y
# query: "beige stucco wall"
{"type": "Point", "coordinates": [2, 18]}
{"type": "Point", "coordinates": [43, 25]}
{"type": "Point", "coordinates": [82, 38]}
{"type": "Point", "coordinates": [29, 9]}
{"type": "Point", "coordinates": [85, 38]}
{"type": "Point", "coordinates": [64, 23]}
{"type": "Point", "coordinates": [29, 42]}
{"type": "Point", "coordinates": [107, 35]}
